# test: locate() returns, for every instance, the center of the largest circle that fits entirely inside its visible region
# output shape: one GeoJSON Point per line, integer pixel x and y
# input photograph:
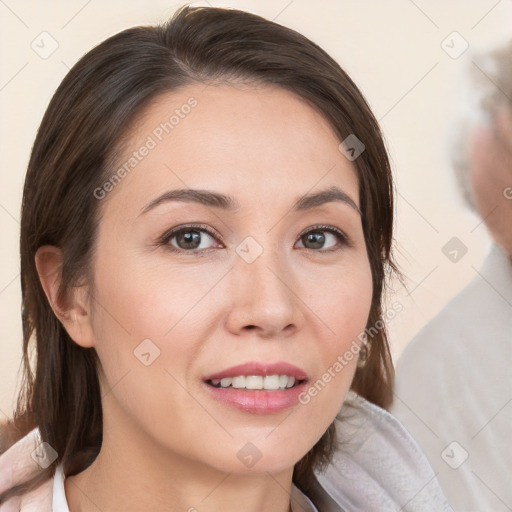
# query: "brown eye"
{"type": "Point", "coordinates": [188, 239]}
{"type": "Point", "coordinates": [319, 237]}
{"type": "Point", "coordinates": [314, 240]}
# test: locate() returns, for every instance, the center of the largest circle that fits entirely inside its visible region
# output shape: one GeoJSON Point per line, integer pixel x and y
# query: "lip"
{"type": "Point", "coordinates": [261, 369]}
{"type": "Point", "coordinates": [258, 401]}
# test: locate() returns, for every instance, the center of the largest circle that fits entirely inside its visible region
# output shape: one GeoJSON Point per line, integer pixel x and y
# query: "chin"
{"type": "Point", "coordinates": [250, 459]}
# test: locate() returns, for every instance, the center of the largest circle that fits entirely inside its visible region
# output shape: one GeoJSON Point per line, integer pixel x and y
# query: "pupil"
{"type": "Point", "coordinates": [192, 239]}
{"type": "Point", "coordinates": [318, 239]}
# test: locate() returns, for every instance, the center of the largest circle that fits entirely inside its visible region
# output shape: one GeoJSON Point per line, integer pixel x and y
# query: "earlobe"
{"type": "Point", "coordinates": [72, 307]}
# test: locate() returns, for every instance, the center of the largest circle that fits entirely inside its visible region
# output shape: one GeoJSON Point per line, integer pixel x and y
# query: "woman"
{"type": "Point", "coordinates": [194, 349]}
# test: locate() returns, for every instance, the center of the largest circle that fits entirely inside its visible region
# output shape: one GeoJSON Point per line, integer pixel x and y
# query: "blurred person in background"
{"type": "Point", "coordinates": [454, 380]}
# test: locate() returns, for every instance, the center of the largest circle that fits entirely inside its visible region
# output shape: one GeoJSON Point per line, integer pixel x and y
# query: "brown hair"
{"type": "Point", "coordinates": [73, 153]}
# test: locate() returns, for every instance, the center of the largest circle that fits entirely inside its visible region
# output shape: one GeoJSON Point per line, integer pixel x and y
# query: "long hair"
{"type": "Point", "coordinates": [74, 153]}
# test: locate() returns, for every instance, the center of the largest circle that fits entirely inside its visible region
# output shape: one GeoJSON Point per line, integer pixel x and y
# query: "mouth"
{"type": "Point", "coordinates": [257, 382]}
{"type": "Point", "coordinates": [258, 387]}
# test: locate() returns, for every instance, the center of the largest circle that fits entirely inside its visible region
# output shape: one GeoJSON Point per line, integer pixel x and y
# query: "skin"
{"type": "Point", "coordinates": [166, 440]}
{"type": "Point", "coordinates": [491, 176]}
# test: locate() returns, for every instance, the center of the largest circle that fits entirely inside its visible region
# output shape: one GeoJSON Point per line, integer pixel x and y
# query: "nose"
{"type": "Point", "coordinates": [264, 297]}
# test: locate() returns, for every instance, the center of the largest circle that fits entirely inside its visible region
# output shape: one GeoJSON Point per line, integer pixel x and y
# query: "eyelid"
{"type": "Point", "coordinates": [343, 237]}
{"type": "Point", "coordinates": [171, 233]}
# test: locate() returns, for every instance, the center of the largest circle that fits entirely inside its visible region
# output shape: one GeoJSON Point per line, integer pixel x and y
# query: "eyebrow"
{"type": "Point", "coordinates": [228, 203]}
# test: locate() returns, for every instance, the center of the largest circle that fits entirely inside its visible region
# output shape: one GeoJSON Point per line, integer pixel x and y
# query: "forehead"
{"type": "Point", "coordinates": [252, 142]}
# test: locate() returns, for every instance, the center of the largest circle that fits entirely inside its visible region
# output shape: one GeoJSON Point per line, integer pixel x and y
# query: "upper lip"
{"type": "Point", "coordinates": [262, 369]}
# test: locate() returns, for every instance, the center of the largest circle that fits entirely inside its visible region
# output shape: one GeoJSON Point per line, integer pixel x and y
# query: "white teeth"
{"type": "Point", "coordinates": [238, 382]}
{"type": "Point", "coordinates": [226, 382]}
{"type": "Point", "coordinates": [274, 381]}
{"type": "Point", "coordinates": [283, 381]}
{"type": "Point", "coordinates": [291, 382]}
{"type": "Point", "coordinates": [254, 382]}
{"type": "Point", "coordinates": [269, 382]}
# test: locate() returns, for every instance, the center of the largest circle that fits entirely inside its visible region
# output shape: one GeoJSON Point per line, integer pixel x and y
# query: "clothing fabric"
{"type": "Point", "coordinates": [378, 467]}
{"type": "Point", "coordinates": [454, 390]}
{"type": "Point", "coordinates": [60, 503]}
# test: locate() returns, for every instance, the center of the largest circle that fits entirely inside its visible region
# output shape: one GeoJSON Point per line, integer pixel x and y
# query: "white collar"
{"type": "Point", "coordinates": [60, 503]}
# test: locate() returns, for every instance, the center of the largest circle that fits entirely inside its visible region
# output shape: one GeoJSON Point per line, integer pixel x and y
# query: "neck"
{"type": "Point", "coordinates": [132, 473]}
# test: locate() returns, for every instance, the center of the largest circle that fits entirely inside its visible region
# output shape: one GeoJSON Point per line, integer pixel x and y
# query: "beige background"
{"type": "Point", "coordinates": [391, 48]}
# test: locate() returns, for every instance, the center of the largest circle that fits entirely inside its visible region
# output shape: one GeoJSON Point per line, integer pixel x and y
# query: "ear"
{"type": "Point", "coordinates": [73, 309]}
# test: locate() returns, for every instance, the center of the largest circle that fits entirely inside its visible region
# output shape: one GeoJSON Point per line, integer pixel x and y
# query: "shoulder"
{"type": "Point", "coordinates": [378, 465]}
{"type": "Point", "coordinates": [480, 308]}
{"type": "Point", "coordinates": [450, 354]}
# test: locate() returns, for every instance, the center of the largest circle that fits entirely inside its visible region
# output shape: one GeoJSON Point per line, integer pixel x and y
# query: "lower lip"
{"type": "Point", "coordinates": [258, 401]}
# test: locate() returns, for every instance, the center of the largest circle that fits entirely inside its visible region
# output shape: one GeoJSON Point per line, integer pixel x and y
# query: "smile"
{"type": "Point", "coordinates": [255, 382]}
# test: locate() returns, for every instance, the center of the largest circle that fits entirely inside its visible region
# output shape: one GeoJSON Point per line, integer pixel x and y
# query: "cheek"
{"type": "Point", "coordinates": [345, 302]}
{"type": "Point", "coordinates": [148, 296]}
{"type": "Point", "coordinates": [490, 169]}
{"type": "Point", "coordinates": [490, 179]}
{"type": "Point", "coordinates": [151, 320]}
{"type": "Point", "coordinates": [345, 307]}
{"type": "Point", "coordinates": [147, 339]}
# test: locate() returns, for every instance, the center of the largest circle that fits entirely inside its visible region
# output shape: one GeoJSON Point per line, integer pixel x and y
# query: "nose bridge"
{"type": "Point", "coordinates": [263, 287]}
{"type": "Point", "coordinates": [262, 266]}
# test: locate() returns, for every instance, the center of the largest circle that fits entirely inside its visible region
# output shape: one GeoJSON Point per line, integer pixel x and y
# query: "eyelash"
{"type": "Point", "coordinates": [168, 235]}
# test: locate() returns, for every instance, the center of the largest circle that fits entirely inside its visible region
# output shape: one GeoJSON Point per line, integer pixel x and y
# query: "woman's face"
{"type": "Point", "coordinates": [245, 284]}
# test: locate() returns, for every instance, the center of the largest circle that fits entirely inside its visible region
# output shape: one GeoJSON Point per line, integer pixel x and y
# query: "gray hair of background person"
{"type": "Point", "coordinates": [485, 87]}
